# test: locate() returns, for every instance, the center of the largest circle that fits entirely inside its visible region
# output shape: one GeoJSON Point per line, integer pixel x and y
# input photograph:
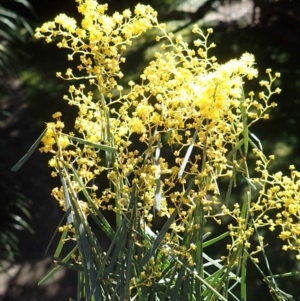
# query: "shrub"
{"type": "Point", "coordinates": [163, 145]}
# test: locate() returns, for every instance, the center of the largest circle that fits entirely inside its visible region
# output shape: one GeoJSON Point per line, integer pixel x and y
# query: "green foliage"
{"type": "Point", "coordinates": [14, 217]}
{"type": "Point", "coordinates": [14, 208]}
{"type": "Point", "coordinates": [189, 113]}
{"type": "Point", "coordinates": [13, 29]}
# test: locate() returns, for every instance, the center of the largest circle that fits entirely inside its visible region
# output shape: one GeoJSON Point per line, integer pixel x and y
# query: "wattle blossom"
{"type": "Point", "coordinates": [191, 116]}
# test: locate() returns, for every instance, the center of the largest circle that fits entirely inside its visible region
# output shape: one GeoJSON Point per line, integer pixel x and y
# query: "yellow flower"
{"type": "Point", "coordinates": [66, 22]}
{"type": "Point", "coordinates": [284, 235]}
{"type": "Point", "coordinates": [183, 98]}
{"type": "Point", "coordinates": [193, 246]}
{"type": "Point", "coordinates": [52, 162]}
{"type": "Point", "coordinates": [137, 126]}
{"type": "Point", "coordinates": [63, 141]}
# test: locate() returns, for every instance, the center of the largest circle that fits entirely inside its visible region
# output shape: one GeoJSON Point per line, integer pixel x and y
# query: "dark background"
{"type": "Point", "coordinates": [30, 94]}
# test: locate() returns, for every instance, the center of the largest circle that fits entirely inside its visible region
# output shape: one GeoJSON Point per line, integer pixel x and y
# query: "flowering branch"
{"type": "Point", "coordinates": [192, 120]}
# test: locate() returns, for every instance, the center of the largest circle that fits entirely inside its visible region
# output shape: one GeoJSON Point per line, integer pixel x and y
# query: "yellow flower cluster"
{"type": "Point", "coordinates": [100, 41]}
{"type": "Point", "coordinates": [188, 113]}
{"type": "Point", "coordinates": [279, 196]}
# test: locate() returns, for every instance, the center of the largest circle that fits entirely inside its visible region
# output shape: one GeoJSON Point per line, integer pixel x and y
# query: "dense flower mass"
{"type": "Point", "coordinates": [191, 118]}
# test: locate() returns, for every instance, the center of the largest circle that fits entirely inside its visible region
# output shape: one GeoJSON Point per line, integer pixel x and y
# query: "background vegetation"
{"type": "Point", "coordinates": [33, 93]}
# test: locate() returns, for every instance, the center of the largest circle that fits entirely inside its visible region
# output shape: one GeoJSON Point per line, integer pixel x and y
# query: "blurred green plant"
{"type": "Point", "coordinates": [14, 28]}
{"type": "Point", "coordinates": [14, 206]}
{"type": "Point", "coordinates": [191, 119]}
{"type": "Point", "coordinates": [14, 217]}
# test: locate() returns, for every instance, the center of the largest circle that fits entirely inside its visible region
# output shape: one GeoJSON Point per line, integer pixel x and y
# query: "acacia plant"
{"type": "Point", "coordinates": [161, 146]}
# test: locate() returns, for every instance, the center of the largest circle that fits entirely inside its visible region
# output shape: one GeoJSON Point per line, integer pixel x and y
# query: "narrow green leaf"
{"type": "Point", "coordinates": [95, 145]}
{"type": "Point", "coordinates": [216, 239]}
{"type": "Point", "coordinates": [101, 220]}
{"type": "Point", "coordinates": [187, 155]}
{"type": "Point", "coordinates": [61, 243]}
{"type": "Point", "coordinates": [235, 149]}
{"type": "Point", "coordinates": [243, 278]}
{"type": "Point", "coordinates": [129, 264]}
{"type": "Point", "coordinates": [263, 157]}
{"type": "Point", "coordinates": [110, 260]}
{"type": "Point", "coordinates": [20, 163]}
{"type": "Point", "coordinates": [119, 242]}
{"type": "Point", "coordinates": [82, 231]}
{"type": "Point", "coordinates": [91, 285]}
{"type": "Point", "coordinates": [250, 183]}
{"type": "Point", "coordinates": [212, 280]}
{"type": "Point", "coordinates": [217, 264]}
{"type": "Point", "coordinates": [245, 124]}
{"type": "Point", "coordinates": [198, 240]}
{"type": "Point", "coordinates": [69, 212]}
{"type": "Point", "coordinates": [203, 281]}
{"type": "Point", "coordinates": [157, 195]}
{"type": "Point", "coordinates": [179, 281]}
{"type": "Point", "coordinates": [232, 182]}
{"type": "Point", "coordinates": [229, 189]}
{"type": "Point", "coordinates": [87, 260]}
{"type": "Point", "coordinates": [53, 235]}
{"type": "Point", "coordinates": [257, 140]}
{"type": "Point", "coordinates": [71, 266]}
{"type": "Point", "coordinates": [158, 240]}
{"type": "Point", "coordinates": [284, 275]}
{"type": "Point", "coordinates": [49, 275]}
